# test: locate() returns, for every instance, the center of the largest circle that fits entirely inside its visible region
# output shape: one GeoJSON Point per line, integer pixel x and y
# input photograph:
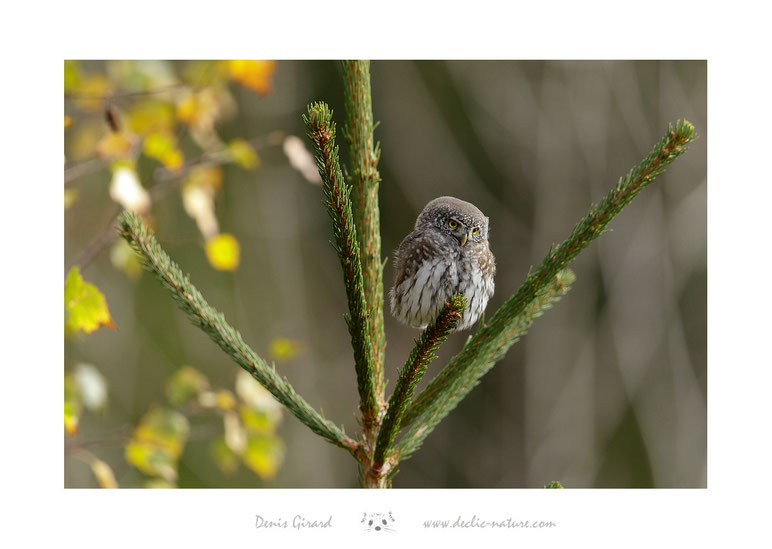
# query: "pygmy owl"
{"type": "Point", "coordinates": [447, 253]}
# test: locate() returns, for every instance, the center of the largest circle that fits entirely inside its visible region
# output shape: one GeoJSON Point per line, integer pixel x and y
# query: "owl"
{"type": "Point", "coordinates": [447, 253]}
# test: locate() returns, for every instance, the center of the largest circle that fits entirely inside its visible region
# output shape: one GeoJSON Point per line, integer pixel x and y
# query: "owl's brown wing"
{"type": "Point", "coordinates": [487, 262]}
{"type": "Point", "coordinates": [417, 278]}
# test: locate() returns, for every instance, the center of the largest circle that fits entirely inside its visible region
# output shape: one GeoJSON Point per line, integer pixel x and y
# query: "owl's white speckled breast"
{"type": "Point", "coordinates": [435, 281]}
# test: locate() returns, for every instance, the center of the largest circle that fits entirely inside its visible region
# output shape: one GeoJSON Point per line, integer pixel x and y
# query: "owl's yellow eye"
{"type": "Point", "coordinates": [476, 230]}
{"type": "Point", "coordinates": [452, 224]}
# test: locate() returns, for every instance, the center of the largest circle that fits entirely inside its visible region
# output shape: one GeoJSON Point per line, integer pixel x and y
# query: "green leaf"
{"type": "Point", "coordinates": [85, 308]}
{"type": "Point", "coordinates": [554, 484]}
{"type": "Point", "coordinates": [151, 460]}
{"type": "Point", "coordinates": [158, 442]}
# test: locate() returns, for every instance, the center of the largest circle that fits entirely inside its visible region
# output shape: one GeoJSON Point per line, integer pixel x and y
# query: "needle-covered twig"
{"type": "Point", "coordinates": [214, 325]}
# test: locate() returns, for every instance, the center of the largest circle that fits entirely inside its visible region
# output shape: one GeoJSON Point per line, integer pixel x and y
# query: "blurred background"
{"type": "Point", "coordinates": [608, 389]}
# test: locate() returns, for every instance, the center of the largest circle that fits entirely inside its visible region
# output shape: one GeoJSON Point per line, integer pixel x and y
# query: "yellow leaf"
{"type": "Point", "coordinates": [158, 442]}
{"type": "Point", "coordinates": [103, 473]}
{"type": "Point", "coordinates": [173, 160]}
{"type": "Point", "coordinates": [72, 75]}
{"type": "Point", "coordinates": [191, 108]}
{"type": "Point", "coordinates": [163, 147]}
{"type": "Point", "coordinates": [203, 108]}
{"type": "Point", "coordinates": [157, 144]}
{"type": "Point", "coordinates": [72, 405]}
{"type": "Point", "coordinates": [253, 74]}
{"type": "Point", "coordinates": [264, 455]}
{"type": "Point", "coordinates": [223, 252]}
{"type": "Point", "coordinates": [282, 348]}
{"type": "Point", "coordinates": [85, 308]}
{"type": "Point", "coordinates": [165, 429]}
{"type": "Point", "coordinates": [70, 196]}
{"type": "Point", "coordinates": [206, 175]}
{"type": "Point", "coordinates": [115, 145]}
{"type": "Point", "coordinates": [222, 399]}
{"type": "Point", "coordinates": [243, 154]}
{"type": "Point", "coordinates": [185, 383]}
{"type": "Point", "coordinates": [151, 459]}
{"type": "Point", "coordinates": [258, 422]}
{"type": "Point", "coordinates": [187, 108]}
{"type": "Point", "coordinates": [67, 121]}
{"type": "Point", "coordinates": [71, 418]}
{"type": "Point", "coordinates": [91, 91]}
{"type": "Point", "coordinates": [151, 115]}
{"type": "Point", "coordinates": [82, 141]}
{"type": "Point", "coordinates": [225, 400]}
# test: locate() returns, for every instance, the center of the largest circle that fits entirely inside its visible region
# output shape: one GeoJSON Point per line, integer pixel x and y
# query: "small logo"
{"type": "Point", "coordinates": [378, 522]}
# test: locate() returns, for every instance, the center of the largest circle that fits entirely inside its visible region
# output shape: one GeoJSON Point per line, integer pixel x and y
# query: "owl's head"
{"type": "Point", "coordinates": [460, 220]}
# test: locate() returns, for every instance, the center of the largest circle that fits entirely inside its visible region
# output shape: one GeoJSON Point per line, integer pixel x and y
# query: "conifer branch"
{"type": "Point", "coordinates": [463, 372]}
{"type": "Point", "coordinates": [364, 154]}
{"type": "Point", "coordinates": [321, 131]}
{"type": "Point", "coordinates": [213, 323]}
{"type": "Point", "coordinates": [491, 343]}
{"type": "Point", "coordinates": [354, 211]}
{"type": "Point", "coordinates": [412, 372]}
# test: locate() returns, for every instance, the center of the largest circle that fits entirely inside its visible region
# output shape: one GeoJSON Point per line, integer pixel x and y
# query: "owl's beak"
{"type": "Point", "coordinates": [463, 238]}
